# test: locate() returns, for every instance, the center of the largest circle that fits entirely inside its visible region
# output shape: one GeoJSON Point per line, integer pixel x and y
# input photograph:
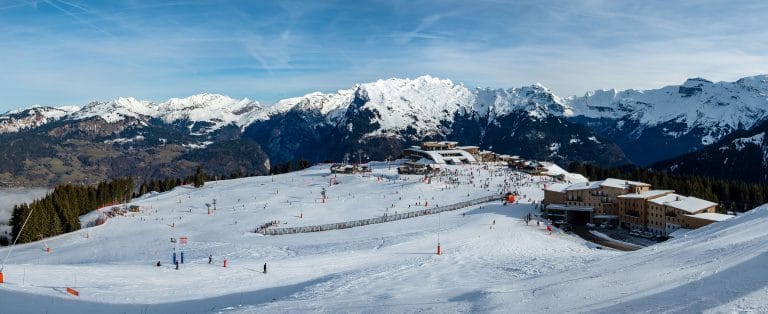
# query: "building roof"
{"type": "Point", "coordinates": [610, 182]}
{"type": "Point", "coordinates": [685, 203]}
{"type": "Point", "coordinates": [585, 186]}
{"type": "Point", "coordinates": [647, 195]}
{"type": "Point", "coordinates": [557, 187]}
{"type": "Point", "coordinates": [622, 184]}
{"type": "Point", "coordinates": [712, 216]}
{"type": "Point", "coordinates": [440, 156]}
{"type": "Point", "coordinates": [441, 143]}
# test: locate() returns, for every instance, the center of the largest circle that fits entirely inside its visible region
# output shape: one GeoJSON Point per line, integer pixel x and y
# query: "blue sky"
{"type": "Point", "coordinates": [71, 52]}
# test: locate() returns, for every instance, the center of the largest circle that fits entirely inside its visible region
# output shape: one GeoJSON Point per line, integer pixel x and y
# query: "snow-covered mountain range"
{"type": "Point", "coordinates": [741, 154]}
{"type": "Point", "coordinates": [424, 103]}
{"type": "Point", "coordinates": [431, 100]}
{"type": "Point", "coordinates": [681, 119]}
{"type": "Point", "coordinates": [609, 127]}
{"type": "Point", "coordinates": [213, 110]}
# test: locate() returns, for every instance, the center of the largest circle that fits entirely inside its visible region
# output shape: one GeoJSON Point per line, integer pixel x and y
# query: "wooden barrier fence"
{"type": "Point", "coordinates": [380, 219]}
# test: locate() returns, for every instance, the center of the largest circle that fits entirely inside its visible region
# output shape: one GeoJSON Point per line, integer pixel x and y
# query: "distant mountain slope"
{"type": "Point", "coordinates": [741, 155]}
{"type": "Point", "coordinates": [681, 119]}
{"type": "Point", "coordinates": [90, 150]}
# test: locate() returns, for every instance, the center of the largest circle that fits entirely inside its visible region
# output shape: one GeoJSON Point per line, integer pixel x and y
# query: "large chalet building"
{"type": "Point", "coordinates": [631, 204]}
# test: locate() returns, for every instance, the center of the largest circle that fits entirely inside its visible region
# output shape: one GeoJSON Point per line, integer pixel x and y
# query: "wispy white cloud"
{"type": "Point", "coordinates": [67, 51]}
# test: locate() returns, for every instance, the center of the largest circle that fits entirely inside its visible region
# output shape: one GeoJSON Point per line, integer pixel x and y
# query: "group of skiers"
{"type": "Point", "coordinates": [210, 261]}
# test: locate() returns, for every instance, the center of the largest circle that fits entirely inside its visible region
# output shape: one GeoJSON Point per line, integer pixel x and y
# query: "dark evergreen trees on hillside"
{"type": "Point", "coordinates": [290, 166]}
{"type": "Point", "coordinates": [199, 177]}
{"type": "Point", "coordinates": [59, 212]}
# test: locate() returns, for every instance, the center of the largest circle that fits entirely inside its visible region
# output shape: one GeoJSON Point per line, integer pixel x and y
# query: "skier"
{"type": "Point", "coordinates": [177, 265]}
{"type": "Point", "coordinates": [210, 259]}
{"type": "Point", "coordinates": [158, 263]}
{"type": "Point", "coordinates": [265, 268]}
{"type": "Point", "coordinates": [494, 222]}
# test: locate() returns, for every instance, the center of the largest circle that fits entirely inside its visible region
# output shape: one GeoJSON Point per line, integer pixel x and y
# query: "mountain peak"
{"type": "Point", "coordinates": [418, 82]}
{"type": "Point", "coordinates": [696, 81]}
{"type": "Point", "coordinates": [200, 101]}
{"type": "Point", "coordinates": [540, 86]}
{"type": "Point", "coordinates": [758, 81]}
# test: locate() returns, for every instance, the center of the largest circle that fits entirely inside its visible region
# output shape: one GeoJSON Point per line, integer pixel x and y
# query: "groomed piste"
{"type": "Point", "coordinates": [490, 260]}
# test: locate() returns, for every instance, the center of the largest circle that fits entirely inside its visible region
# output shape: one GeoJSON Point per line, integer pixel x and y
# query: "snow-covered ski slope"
{"type": "Point", "coordinates": [720, 268]}
{"type": "Point", "coordinates": [391, 267]}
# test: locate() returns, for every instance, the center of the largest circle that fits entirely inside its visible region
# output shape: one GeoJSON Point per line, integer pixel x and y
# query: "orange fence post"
{"type": "Point", "coordinates": [225, 262]}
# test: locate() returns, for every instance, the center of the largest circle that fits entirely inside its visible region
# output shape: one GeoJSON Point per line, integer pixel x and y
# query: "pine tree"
{"type": "Point", "coordinates": [199, 177]}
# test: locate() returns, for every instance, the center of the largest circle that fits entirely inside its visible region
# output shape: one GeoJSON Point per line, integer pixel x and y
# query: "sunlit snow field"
{"type": "Point", "coordinates": [491, 260]}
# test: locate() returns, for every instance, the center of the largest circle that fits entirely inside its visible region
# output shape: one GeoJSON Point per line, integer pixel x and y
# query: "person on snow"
{"type": "Point", "coordinates": [158, 263]}
{"type": "Point", "coordinates": [210, 259]}
{"type": "Point", "coordinates": [177, 265]}
{"type": "Point", "coordinates": [265, 268]}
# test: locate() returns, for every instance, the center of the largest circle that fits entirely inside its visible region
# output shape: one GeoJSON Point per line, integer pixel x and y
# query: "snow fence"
{"type": "Point", "coordinates": [380, 219]}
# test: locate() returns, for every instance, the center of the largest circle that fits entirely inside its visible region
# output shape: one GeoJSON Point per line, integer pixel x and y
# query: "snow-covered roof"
{"type": "Point", "coordinates": [443, 156]}
{"type": "Point", "coordinates": [649, 194]}
{"type": "Point", "coordinates": [685, 203]}
{"type": "Point", "coordinates": [557, 187]}
{"type": "Point", "coordinates": [622, 184]}
{"type": "Point", "coordinates": [555, 170]}
{"type": "Point", "coordinates": [610, 182]}
{"type": "Point", "coordinates": [585, 186]}
{"type": "Point", "coordinates": [712, 216]}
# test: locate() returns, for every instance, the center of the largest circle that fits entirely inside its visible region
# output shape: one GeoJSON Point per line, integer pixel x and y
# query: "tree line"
{"type": "Point", "coordinates": [197, 179]}
{"type": "Point", "coordinates": [733, 195]}
{"type": "Point", "coordinates": [59, 211]}
{"type": "Point", "coordinates": [290, 166]}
